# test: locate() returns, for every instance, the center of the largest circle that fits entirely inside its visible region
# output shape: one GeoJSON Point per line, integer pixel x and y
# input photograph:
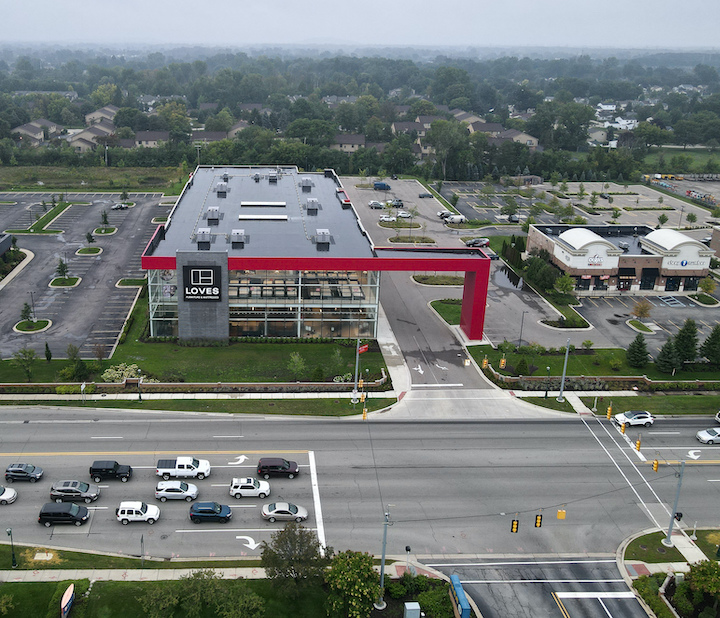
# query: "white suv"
{"type": "Point", "coordinates": [249, 487]}
{"type": "Point", "coordinates": [137, 511]}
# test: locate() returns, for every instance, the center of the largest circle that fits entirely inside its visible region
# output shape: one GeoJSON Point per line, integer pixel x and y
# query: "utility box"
{"type": "Point", "coordinates": [412, 610]}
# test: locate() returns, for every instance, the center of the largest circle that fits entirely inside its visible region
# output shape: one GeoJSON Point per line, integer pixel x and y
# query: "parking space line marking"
{"type": "Point", "coordinates": [621, 302]}
{"type": "Point", "coordinates": [627, 594]}
{"type": "Point", "coordinates": [106, 438]}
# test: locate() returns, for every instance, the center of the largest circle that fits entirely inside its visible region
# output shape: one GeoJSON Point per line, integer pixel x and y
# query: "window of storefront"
{"type": "Point", "coordinates": [672, 284]}
{"type": "Point", "coordinates": [691, 284]}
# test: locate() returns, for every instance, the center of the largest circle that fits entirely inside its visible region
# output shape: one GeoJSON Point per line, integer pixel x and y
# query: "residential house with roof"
{"type": "Point", "coordinates": [36, 132]}
{"type": "Point", "coordinates": [151, 139]}
{"type": "Point", "coordinates": [205, 137]}
{"type": "Point", "coordinates": [468, 117]}
{"type": "Point", "coordinates": [520, 137]}
{"type": "Point", "coordinates": [240, 125]}
{"type": "Point", "coordinates": [426, 121]}
{"type": "Point", "coordinates": [104, 113]}
{"type": "Point", "coordinates": [91, 136]}
{"type": "Point", "coordinates": [490, 128]}
{"type": "Point", "coordinates": [348, 142]}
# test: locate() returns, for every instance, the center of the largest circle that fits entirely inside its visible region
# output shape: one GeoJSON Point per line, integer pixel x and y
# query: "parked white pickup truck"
{"type": "Point", "coordinates": [183, 467]}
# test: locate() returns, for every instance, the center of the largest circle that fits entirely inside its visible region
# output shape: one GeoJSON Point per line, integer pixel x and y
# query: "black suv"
{"type": "Point", "coordinates": [277, 466]}
{"type": "Point", "coordinates": [63, 513]}
{"type": "Point", "coordinates": [109, 470]}
{"type": "Point", "coordinates": [23, 472]}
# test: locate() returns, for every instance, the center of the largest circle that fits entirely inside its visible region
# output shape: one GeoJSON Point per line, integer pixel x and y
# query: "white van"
{"type": "Point", "coordinates": [456, 219]}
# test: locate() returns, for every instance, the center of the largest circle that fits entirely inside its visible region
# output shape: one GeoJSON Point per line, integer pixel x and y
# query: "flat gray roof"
{"type": "Point", "coordinates": [273, 214]}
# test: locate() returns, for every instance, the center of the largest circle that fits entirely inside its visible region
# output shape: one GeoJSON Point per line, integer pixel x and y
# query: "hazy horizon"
{"type": "Point", "coordinates": [649, 25]}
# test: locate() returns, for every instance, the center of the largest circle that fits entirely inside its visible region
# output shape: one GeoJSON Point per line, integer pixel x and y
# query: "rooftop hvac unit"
{"type": "Point", "coordinates": [238, 239]}
{"type": "Point", "coordinates": [213, 215]}
{"type": "Point", "coordinates": [225, 177]}
{"type": "Point", "coordinates": [625, 246]}
{"type": "Point", "coordinates": [322, 239]}
{"type": "Point", "coordinates": [221, 189]}
{"type": "Point", "coordinates": [273, 177]}
{"type": "Point", "coordinates": [256, 177]}
{"type": "Point", "coordinates": [204, 238]}
{"type": "Point", "coordinates": [307, 184]}
{"type": "Point", "coordinates": [312, 206]}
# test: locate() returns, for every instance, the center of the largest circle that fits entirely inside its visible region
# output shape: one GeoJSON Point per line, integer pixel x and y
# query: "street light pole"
{"type": "Point", "coordinates": [32, 302]}
{"type": "Point", "coordinates": [560, 398]}
{"type": "Point", "coordinates": [668, 540]}
{"type": "Point", "coordinates": [12, 548]}
{"type": "Point", "coordinates": [380, 603]}
{"type": "Point", "coordinates": [522, 322]}
{"type": "Point", "coordinates": [547, 383]}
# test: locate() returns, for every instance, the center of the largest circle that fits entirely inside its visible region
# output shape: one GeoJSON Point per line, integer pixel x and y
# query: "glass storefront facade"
{"type": "Point", "coordinates": [281, 303]}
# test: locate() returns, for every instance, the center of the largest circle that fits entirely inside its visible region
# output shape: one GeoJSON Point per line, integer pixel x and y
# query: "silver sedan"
{"type": "Point", "coordinates": [708, 436]}
{"type": "Point", "coordinates": [283, 511]}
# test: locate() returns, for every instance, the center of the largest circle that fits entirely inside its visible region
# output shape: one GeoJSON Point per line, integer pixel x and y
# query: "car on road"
{"type": "Point", "coordinates": [708, 436]}
{"type": "Point", "coordinates": [717, 417]}
{"type": "Point", "coordinates": [119, 207]}
{"type": "Point", "coordinates": [513, 218]}
{"type": "Point", "coordinates": [63, 513]}
{"type": "Point", "coordinates": [634, 417]}
{"type": "Point", "coordinates": [137, 511]}
{"type": "Point", "coordinates": [23, 472]}
{"type": "Point", "coordinates": [74, 490]}
{"type": "Point", "coordinates": [706, 240]}
{"type": "Point", "coordinates": [404, 214]}
{"type": "Point", "coordinates": [444, 214]}
{"type": "Point", "coordinates": [104, 469]}
{"type": "Point", "coordinates": [7, 495]}
{"type": "Point", "coordinates": [277, 466]}
{"type": "Point", "coordinates": [396, 203]}
{"type": "Point", "coordinates": [422, 195]}
{"type": "Point", "coordinates": [284, 511]}
{"type": "Point", "coordinates": [375, 204]}
{"type": "Point", "coordinates": [252, 488]}
{"type": "Point", "coordinates": [210, 511]}
{"type": "Point", "coordinates": [387, 219]}
{"type": "Point", "coordinates": [477, 242]}
{"type": "Point", "coordinates": [176, 490]}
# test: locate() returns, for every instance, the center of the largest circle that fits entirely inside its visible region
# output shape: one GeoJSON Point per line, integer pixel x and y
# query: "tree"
{"type": "Point", "coordinates": [615, 214]}
{"type": "Point", "coordinates": [447, 138]}
{"type": "Point", "coordinates": [662, 220]}
{"type": "Point", "coordinates": [667, 359]}
{"type": "Point", "coordinates": [521, 367]}
{"type": "Point", "coordinates": [353, 585]}
{"type": "Point", "coordinates": [294, 558]}
{"type": "Point", "coordinates": [691, 217]}
{"type": "Point", "coordinates": [48, 353]}
{"type": "Point", "coordinates": [637, 352]}
{"type": "Point", "coordinates": [25, 358]}
{"type": "Point", "coordinates": [642, 309]}
{"type": "Point", "coordinates": [593, 200]}
{"type": "Point", "coordinates": [90, 238]}
{"type": "Point", "coordinates": [26, 312]}
{"type": "Point", "coordinates": [62, 269]}
{"type": "Point", "coordinates": [565, 284]}
{"type": "Point", "coordinates": [297, 365]}
{"type": "Point", "coordinates": [104, 218]}
{"type": "Point", "coordinates": [705, 577]}
{"type": "Point", "coordinates": [707, 285]}
{"type": "Point", "coordinates": [710, 348]}
{"type": "Point", "coordinates": [686, 341]}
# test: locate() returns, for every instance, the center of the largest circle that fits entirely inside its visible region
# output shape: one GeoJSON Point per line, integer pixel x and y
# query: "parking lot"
{"type": "Point", "coordinates": [90, 315]}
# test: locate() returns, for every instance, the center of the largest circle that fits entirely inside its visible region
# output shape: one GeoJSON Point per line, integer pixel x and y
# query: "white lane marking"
{"type": "Point", "coordinates": [595, 595]}
{"type": "Point", "coordinates": [98, 508]}
{"type": "Point", "coordinates": [694, 454]}
{"type": "Point", "coordinates": [232, 530]}
{"type": "Point", "coordinates": [522, 563]}
{"type": "Point", "coordinates": [250, 542]}
{"type": "Point", "coordinates": [106, 438]}
{"type": "Point", "coordinates": [713, 480]}
{"type": "Point", "coordinates": [543, 581]}
{"type": "Point", "coordinates": [316, 500]}
{"type": "Point", "coordinates": [244, 436]}
{"type": "Point", "coordinates": [663, 433]}
{"type": "Point", "coordinates": [630, 443]}
{"type": "Point", "coordinates": [607, 611]}
{"type": "Point", "coordinates": [443, 385]}
{"type": "Point", "coordinates": [617, 466]}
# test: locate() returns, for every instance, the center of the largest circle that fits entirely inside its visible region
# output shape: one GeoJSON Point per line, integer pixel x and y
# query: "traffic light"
{"type": "Point", "coordinates": [362, 397]}
{"type": "Point", "coordinates": [609, 412]}
{"type": "Point", "coordinates": [656, 464]}
{"type": "Point", "coordinates": [538, 521]}
{"type": "Point", "coordinates": [360, 383]}
{"type": "Point", "coordinates": [678, 516]}
{"type": "Point", "coordinates": [503, 362]}
{"type": "Point", "coordinates": [637, 444]}
{"type": "Point", "coordinates": [515, 525]}
{"type": "Point", "coordinates": [622, 428]}
{"type": "Point", "coordinates": [485, 363]}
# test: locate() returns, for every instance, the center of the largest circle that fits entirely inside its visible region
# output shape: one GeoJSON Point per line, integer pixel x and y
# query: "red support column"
{"type": "Point", "coordinates": [474, 301]}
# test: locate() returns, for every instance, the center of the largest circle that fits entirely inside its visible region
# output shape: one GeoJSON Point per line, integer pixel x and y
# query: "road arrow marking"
{"type": "Point", "coordinates": [419, 369]}
{"type": "Point", "coordinates": [238, 461]}
{"type": "Point", "coordinates": [694, 454]}
{"type": "Point", "coordinates": [441, 367]}
{"type": "Point", "coordinates": [251, 544]}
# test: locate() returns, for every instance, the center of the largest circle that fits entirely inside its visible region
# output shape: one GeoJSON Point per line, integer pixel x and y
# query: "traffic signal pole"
{"type": "Point", "coordinates": [668, 541]}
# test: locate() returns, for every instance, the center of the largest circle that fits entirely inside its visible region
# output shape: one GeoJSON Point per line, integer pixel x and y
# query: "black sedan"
{"type": "Point", "coordinates": [210, 511]}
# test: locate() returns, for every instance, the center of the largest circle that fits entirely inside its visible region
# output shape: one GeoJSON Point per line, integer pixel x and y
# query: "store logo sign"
{"type": "Point", "coordinates": [201, 283]}
{"type": "Point", "coordinates": [595, 260]}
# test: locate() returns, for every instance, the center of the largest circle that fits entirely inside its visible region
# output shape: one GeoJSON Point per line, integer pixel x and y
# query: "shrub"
{"type": "Point", "coordinates": [395, 590]}
{"type": "Point", "coordinates": [436, 602]}
{"type": "Point", "coordinates": [615, 364]}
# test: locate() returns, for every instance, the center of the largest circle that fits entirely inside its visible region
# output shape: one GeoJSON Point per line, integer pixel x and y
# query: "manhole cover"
{"type": "Point", "coordinates": [43, 555]}
{"type": "Point", "coordinates": [661, 550]}
{"type": "Point", "coordinates": [163, 537]}
{"type": "Point", "coordinates": [643, 547]}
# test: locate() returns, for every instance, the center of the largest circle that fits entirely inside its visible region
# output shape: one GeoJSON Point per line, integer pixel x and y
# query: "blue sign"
{"type": "Point", "coordinates": [458, 596]}
{"type": "Point", "coordinates": [67, 601]}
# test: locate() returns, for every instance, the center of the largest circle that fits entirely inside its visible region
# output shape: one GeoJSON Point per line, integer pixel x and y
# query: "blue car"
{"type": "Point", "coordinates": [210, 511]}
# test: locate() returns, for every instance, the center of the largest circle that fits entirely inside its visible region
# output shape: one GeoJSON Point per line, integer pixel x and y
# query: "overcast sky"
{"type": "Point", "coordinates": [464, 23]}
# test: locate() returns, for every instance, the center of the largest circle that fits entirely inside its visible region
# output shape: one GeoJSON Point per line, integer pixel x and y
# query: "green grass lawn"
{"type": "Point", "coordinates": [104, 231]}
{"type": "Point", "coordinates": [659, 404]}
{"type": "Point", "coordinates": [579, 364]}
{"type": "Point", "coordinates": [699, 157]}
{"type": "Point", "coordinates": [551, 403]}
{"type": "Point", "coordinates": [89, 250]}
{"type": "Point", "coordinates": [20, 178]}
{"type": "Point", "coordinates": [449, 309]}
{"type": "Point", "coordinates": [439, 279]}
{"type": "Point", "coordinates": [28, 326]}
{"type": "Point", "coordinates": [640, 326]}
{"type": "Point", "coordinates": [62, 282]}
{"type": "Point", "coordinates": [649, 549]}
{"type": "Point", "coordinates": [311, 407]}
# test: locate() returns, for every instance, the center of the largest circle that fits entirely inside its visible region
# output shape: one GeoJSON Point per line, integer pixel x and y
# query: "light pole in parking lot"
{"type": "Point", "coordinates": [380, 603]}
{"type": "Point", "coordinates": [522, 322]}
{"type": "Point", "coordinates": [560, 398]}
